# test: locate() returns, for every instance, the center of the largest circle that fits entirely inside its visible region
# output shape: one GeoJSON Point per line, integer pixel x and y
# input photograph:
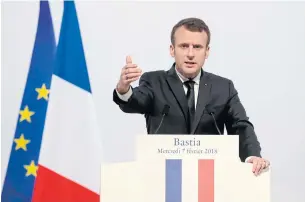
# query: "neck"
{"type": "Point", "coordinates": [187, 77]}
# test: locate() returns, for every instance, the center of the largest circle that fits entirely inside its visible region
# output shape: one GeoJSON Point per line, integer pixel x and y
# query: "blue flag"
{"type": "Point", "coordinates": [23, 162]}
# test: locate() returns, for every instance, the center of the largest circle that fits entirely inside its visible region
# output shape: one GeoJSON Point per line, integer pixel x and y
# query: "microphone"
{"type": "Point", "coordinates": [211, 112]}
{"type": "Point", "coordinates": [164, 113]}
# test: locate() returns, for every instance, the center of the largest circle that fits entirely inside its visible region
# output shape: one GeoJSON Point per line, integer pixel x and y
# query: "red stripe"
{"type": "Point", "coordinates": [206, 180]}
{"type": "Point", "coordinates": [51, 187]}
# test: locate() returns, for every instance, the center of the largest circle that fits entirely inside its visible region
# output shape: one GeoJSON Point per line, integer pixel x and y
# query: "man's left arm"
{"type": "Point", "coordinates": [238, 123]}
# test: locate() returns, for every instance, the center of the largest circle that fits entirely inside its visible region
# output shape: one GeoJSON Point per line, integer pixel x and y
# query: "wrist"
{"type": "Point", "coordinates": [122, 90]}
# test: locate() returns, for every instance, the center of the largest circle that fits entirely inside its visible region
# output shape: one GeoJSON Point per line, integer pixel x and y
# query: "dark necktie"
{"type": "Point", "coordinates": [190, 95]}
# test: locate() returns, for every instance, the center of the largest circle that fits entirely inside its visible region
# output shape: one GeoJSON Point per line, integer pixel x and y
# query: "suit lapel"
{"type": "Point", "coordinates": [202, 100]}
{"type": "Point", "coordinates": [176, 87]}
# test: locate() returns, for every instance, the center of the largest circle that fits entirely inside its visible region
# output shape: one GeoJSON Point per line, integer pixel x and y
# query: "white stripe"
{"type": "Point", "coordinates": [71, 143]}
{"type": "Point", "coordinates": [153, 180]}
{"type": "Point", "coordinates": [189, 180]}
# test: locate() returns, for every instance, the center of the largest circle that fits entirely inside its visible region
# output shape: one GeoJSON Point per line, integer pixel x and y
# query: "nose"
{"type": "Point", "coordinates": [190, 52]}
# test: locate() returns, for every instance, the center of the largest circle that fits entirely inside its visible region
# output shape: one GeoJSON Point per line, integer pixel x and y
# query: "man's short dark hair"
{"type": "Point", "coordinates": [193, 25]}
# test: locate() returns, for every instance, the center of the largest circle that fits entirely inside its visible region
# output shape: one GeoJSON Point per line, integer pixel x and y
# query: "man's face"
{"type": "Point", "coordinates": [190, 51]}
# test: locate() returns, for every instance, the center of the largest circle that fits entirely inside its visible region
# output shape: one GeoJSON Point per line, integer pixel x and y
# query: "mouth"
{"type": "Point", "coordinates": [189, 63]}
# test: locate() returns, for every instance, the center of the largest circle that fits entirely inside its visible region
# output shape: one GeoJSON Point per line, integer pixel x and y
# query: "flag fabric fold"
{"type": "Point", "coordinates": [69, 164]}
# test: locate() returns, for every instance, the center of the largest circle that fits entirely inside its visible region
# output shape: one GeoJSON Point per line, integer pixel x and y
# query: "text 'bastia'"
{"type": "Point", "coordinates": [193, 142]}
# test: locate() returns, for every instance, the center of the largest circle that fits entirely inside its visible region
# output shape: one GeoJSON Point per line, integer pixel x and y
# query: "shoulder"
{"type": "Point", "coordinates": [221, 83]}
{"type": "Point", "coordinates": [217, 78]}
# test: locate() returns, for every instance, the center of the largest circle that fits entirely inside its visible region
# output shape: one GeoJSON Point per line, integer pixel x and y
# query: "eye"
{"type": "Point", "coordinates": [197, 46]}
{"type": "Point", "coordinates": [184, 45]}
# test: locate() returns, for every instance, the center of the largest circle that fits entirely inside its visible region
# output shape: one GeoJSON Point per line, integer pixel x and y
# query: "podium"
{"type": "Point", "coordinates": [184, 168]}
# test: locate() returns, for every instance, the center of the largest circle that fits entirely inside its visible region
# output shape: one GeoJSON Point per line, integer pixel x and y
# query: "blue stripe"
{"type": "Point", "coordinates": [71, 63]}
{"type": "Point", "coordinates": [17, 186]}
{"type": "Point", "coordinates": [173, 192]}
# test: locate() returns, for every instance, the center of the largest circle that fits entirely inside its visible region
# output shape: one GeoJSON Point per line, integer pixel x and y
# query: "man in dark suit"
{"type": "Point", "coordinates": [194, 97]}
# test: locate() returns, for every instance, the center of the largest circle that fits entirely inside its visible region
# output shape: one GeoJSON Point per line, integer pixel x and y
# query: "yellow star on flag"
{"type": "Point", "coordinates": [31, 169]}
{"type": "Point", "coordinates": [26, 114]}
{"type": "Point", "coordinates": [21, 142]}
{"type": "Point", "coordinates": [43, 92]}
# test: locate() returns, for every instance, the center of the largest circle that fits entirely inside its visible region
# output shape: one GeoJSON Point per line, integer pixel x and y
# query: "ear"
{"type": "Point", "coordinates": [172, 50]}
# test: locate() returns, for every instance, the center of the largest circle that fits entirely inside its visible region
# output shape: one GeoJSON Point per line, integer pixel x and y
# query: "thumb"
{"type": "Point", "coordinates": [128, 60]}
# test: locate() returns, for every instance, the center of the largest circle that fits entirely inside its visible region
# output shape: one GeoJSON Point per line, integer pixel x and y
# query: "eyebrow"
{"type": "Point", "coordinates": [181, 44]}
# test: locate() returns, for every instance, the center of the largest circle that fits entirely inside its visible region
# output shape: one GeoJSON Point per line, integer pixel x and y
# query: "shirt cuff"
{"type": "Point", "coordinates": [247, 159]}
{"type": "Point", "coordinates": [125, 97]}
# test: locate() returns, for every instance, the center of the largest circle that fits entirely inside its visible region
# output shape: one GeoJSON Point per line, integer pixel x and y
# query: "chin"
{"type": "Point", "coordinates": [190, 70]}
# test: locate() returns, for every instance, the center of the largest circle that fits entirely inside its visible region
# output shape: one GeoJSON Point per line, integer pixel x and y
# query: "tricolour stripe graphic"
{"type": "Point", "coordinates": [190, 180]}
{"type": "Point", "coordinates": [173, 192]}
{"type": "Point", "coordinates": [206, 180]}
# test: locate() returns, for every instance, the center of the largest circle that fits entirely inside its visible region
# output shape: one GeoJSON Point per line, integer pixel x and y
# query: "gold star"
{"type": "Point", "coordinates": [43, 92]}
{"type": "Point", "coordinates": [26, 114]}
{"type": "Point", "coordinates": [21, 142]}
{"type": "Point", "coordinates": [31, 169]}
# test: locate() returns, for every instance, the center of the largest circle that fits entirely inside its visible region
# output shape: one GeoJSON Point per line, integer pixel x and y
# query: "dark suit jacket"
{"type": "Point", "coordinates": [159, 88]}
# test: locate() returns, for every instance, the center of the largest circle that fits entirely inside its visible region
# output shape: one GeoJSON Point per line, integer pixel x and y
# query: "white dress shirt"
{"type": "Point", "coordinates": [196, 84]}
{"type": "Point", "coordinates": [127, 95]}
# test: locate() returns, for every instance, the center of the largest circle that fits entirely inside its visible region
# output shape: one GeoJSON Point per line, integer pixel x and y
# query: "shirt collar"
{"type": "Point", "coordinates": [183, 79]}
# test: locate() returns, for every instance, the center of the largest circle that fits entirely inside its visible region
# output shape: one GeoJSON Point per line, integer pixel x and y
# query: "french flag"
{"type": "Point", "coordinates": [203, 171]}
{"type": "Point", "coordinates": [56, 151]}
{"type": "Point", "coordinates": [158, 179]}
{"type": "Point", "coordinates": [179, 180]}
